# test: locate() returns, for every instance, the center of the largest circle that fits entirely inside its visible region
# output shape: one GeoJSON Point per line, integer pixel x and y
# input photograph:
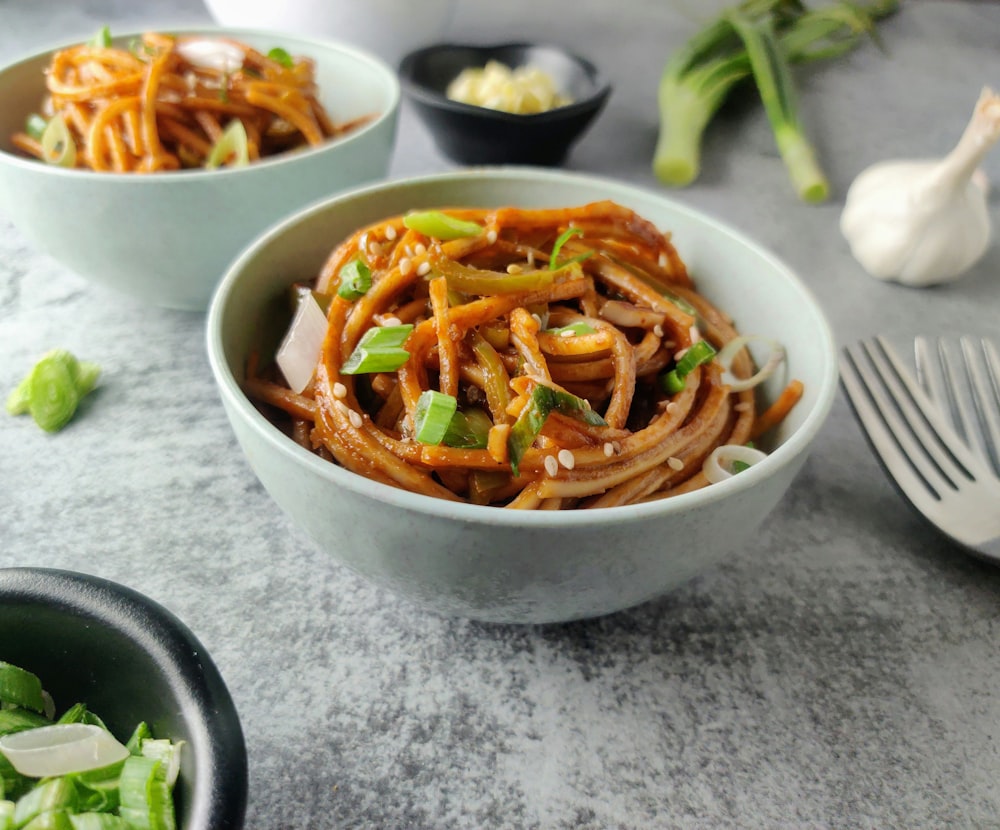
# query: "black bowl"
{"type": "Point", "coordinates": [477, 135]}
{"type": "Point", "coordinates": [130, 660]}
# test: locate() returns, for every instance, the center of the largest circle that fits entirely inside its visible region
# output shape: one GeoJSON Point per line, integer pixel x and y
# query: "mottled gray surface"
{"type": "Point", "coordinates": [841, 670]}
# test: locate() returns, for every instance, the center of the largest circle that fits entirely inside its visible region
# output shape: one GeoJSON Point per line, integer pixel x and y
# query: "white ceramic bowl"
{"type": "Point", "coordinates": [167, 238]}
{"type": "Point", "coordinates": [511, 565]}
{"type": "Point", "coordinates": [388, 28]}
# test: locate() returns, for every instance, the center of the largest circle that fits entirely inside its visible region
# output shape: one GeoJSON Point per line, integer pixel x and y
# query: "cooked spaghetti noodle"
{"type": "Point", "coordinates": [559, 332]}
{"type": "Point", "coordinates": [167, 103]}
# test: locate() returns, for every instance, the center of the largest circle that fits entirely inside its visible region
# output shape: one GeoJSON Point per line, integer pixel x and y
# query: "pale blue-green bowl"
{"type": "Point", "coordinates": [167, 238]}
{"type": "Point", "coordinates": [510, 565]}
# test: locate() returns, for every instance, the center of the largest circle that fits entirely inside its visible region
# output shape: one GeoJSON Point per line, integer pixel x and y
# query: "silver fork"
{"type": "Point", "coordinates": [938, 471]}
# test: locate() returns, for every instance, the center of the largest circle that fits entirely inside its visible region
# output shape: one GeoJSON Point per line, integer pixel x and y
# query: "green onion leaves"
{"type": "Point", "coordinates": [232, 149]}
{"type": "Point", "coordinates": [102, 40]}
{"type": "Point", "coordinates": [674, 381]}
{"type": "Point", "coordinates": [279, 55]}
{"type": "Point", "coordinates": [355, 280]}
{"type": "Point", "coordinates": [379, 350]}
{"type": "Point", "coordinates": [543, 401]}
{"type": "Point", "coordinates": [564, 237]}
{"type": "Point", "coordinates": [433, 415]}
{"type": "Point", "coordinates": [53, 390]}
{"type": "Point", "coordinates": [439, 225]}
{"type": "Point", "coordinates": [58, 147]}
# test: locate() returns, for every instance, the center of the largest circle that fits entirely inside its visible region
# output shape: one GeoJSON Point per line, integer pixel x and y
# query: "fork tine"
{"type": "Point", "coordinates": [857, 382]}
{"type": "Point", "coordinates": [982, 365]}
{"type": "Point", "coordinates": [938, 377]}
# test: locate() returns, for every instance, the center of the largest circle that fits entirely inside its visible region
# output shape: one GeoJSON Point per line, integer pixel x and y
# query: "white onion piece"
{"type": "Point", "coordinates": [733, 347]}
{"type": "Point", "coordinates": [719, 465]}
{"type": "Point", "coordinates": [61, 749]}
{"type": "Point", "coordinates": [299, 352]}
{"type": "Point", "coordinates": [212, 54]}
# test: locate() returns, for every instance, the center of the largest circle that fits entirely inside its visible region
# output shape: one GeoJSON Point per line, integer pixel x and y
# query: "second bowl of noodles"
{"type": "Point", "coordinates": [517, 402]}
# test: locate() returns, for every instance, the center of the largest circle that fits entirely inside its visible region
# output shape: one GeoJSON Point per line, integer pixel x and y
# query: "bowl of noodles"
{"type": "Point", "coordinates": [146, 161]}
{"type": "Point", "coordinates": [519, 395]}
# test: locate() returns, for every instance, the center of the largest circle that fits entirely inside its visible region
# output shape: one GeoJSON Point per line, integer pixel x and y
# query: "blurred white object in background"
{"type": "Point", "coordinates": [388, 28]}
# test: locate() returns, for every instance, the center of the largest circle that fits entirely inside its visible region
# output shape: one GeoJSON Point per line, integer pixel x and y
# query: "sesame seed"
{"type": "Point", "coordinates": [680, 354]}
{"type": "Point", "coordinates": [658, 330]}
{"type": "Point", "coordinates": [551, 465]}
{"type": "Point", "coordinates": [339, 390]}
{"type": "Point", "coordinates": [567, 333]}
{"type": "Point", "coordinates": [491, 237]}
{"type": "Point", "coordinates": [514, 268]}
{"type": "Point", "coordinates": [663, 260]}
{"type": "Point", "coordinates": [405, 266]}
{"type": "Point", "coordinates": [391, 321]}
{"type": "Point", "coordinates": [675, 463]}
{"type": "Point", "coordinates": [695, 334]}
{"type": "Point", "coordinates": [531, 259]}
{"type": "Point", "coordinates": [424, 269]}
{"type": "Point", "coordinates": [390, 233]}
{"type": "Point", "coordinates": [672, 406]}
{"type": "Point", "coordinates": [537, 318]}
{"type": "Point", "coordinates": [375, 248]}
{"type": "Point", "coordinates": [669, 344]}
{"type": "Point", "coordinates": [355, 419]}
{"type": "Point", "coordinates": [408, 249]}
{"type": "Point", "coordinates": [567, 459]}
{"type": "Point", "coordinates": [609, 449]}
{"type": "Point", "coordinates": [742, 406]}
{"type": "Point", "coordinates": [420, 249]}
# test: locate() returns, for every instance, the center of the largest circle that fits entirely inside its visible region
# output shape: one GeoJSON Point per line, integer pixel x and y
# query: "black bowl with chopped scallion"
{"type": "Point", "coordinates": [130, 661]}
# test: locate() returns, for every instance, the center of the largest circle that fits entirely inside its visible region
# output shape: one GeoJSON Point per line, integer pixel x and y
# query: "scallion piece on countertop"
{"type": "Point", "coordinates": [379, 350]}
{"type": "Point", "coordinates": [232, 149]}
{"type": "Point", "coordinates": [281, 56]}
{"type": "Point", "coordinates": [433, 415]}
{"type": "Point", "coordinates": [355, 280]}
{"type": "Point", "coordinates": [440, 225]}
{"type": "Point", "coordinates": [58, 147]}
{"type": "Point", "coordinates": [773, 76]}
{"type": "Point", "coordinates": [53, 389]}
{"type": "Point", "coordinates": [20, 688]}
{"type": "Point", "coordinates": [699, 352]}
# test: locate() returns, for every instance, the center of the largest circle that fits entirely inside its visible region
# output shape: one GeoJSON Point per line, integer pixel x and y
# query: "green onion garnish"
{"type": "Point", "coordinates": [232, 148]}
{"type": "Point", "coordinates": [281, 56]}
{"type": "Point", "coordinates": [102, 40]}
{"type": "Point", "coordinates": [145, 796]}
{"type": "Point", "coordinates": [53, 389]}
{"type": "Point", "coordinates": [20, 688]}
{"type": "Point", "coordinates": [674, 381]}
{"type": "Point", "coordinates": [433, 415]}
{"type": "Point", "coordinates": [35, 125]}
{"type": "Point", "coordinates": [355, 280]}
{"type": "Point", "coordinates": [543, 401]}
{"type": "Point", "coordinates": [468, 430]}
{"type": "Point", "coordinates": [440, 225]}
{"type": "Point", "coordinates": [564, 237]}
{"type": "Point", "coordinates": [379, 350]}
{"type": "Point", "coordinates": [574, 328]}
{"type": "Point", "coordinates": [58, 147]}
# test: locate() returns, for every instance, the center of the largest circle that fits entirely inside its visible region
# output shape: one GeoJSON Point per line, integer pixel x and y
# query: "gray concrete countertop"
{"type": "Point", "coordinates": [841, 670]}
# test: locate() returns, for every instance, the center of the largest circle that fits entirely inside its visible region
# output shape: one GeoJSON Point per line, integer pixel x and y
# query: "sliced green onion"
{"type": "Point", "coordinates": [699, 352]}
{"type": "Point", "coordinates": [281, 56]}
{"type": "Point", "coordinates": [379, 350]}
{"type": "Point", "coordinates": [97, 821]}
{"type": "Point", "coordinates": [6, 814]}
{"type": "Point", "coordinates": [485, 283]}
{"type": "Point", "coordinates": [722, 462]}
{"type": "Point", "coordinates": [145, 797]}
{"type": "Point", "coordinates": [564, 237]}
{"type": "Point", "coordinates": [53, 389]}
{"type": "Point", "coordinates": [12, 784]}
{"type": "Point", "coordinates": [20, 688]}
{"type": "Point", "coordinates": [34, 126]}
{"type": "Point", "coordinates": [433, 415]}
{"type": "Point", "coordinates": [468, 430]}
{"type": "Point", "coordinates": [774, 359]}
{"type": "Point", "coordinates": [681, 303]}
{"type": "Point", "coordinates": [231, 149]}
{"type": "Point", "coordinates": [543, 401]}
{"type": "Point", "coordinates": [61, 748]}
{"type": "Point", "coordinates": [58, 147]}
{"type": "Point", "coordinates": [49, 796]}
{"type": "Point", "coordinates": [439, 225]}
{"type": "Point", "coordinates": [139, 734]}
{"type": "Point", "coordinates": [102, 40]}
{"type": "Point", "coordinates": [575, 328]}
{"type": "Point", "coordinates": [355, 280]}
{"type": "Point", "coordinates": [166, 751]}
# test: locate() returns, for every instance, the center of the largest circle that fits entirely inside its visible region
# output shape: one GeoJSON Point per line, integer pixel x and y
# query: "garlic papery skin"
{"type": "Point", "coordinates": [922, 222]}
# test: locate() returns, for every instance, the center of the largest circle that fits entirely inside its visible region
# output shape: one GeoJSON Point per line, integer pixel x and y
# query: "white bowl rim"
{"type": "Point", "coordinates": [370, 61]}
{"type": "Point", "coordinates": [797, 443]}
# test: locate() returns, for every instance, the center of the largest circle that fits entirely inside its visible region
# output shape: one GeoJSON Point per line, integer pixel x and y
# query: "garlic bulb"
{"type": "Point", "coordinates": [921, 222]}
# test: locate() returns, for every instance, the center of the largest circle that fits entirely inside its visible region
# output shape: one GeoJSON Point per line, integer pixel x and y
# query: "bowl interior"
{"type": "Point", "coordinates": [427, 72]}
{"type": "Point", "coordinates": [763, 296]}
{"type": "Point", "coordinates": [129, 660]}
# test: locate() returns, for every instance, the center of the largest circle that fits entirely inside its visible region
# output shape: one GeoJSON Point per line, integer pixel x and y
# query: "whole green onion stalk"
{"type": "Point", "coordinates": [699, 76]}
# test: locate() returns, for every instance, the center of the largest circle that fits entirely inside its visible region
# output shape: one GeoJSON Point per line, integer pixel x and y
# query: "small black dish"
{"type": "Point", "coordinates": [128, 659]}
{"type": "Point", "coordinates": [477, 135]}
